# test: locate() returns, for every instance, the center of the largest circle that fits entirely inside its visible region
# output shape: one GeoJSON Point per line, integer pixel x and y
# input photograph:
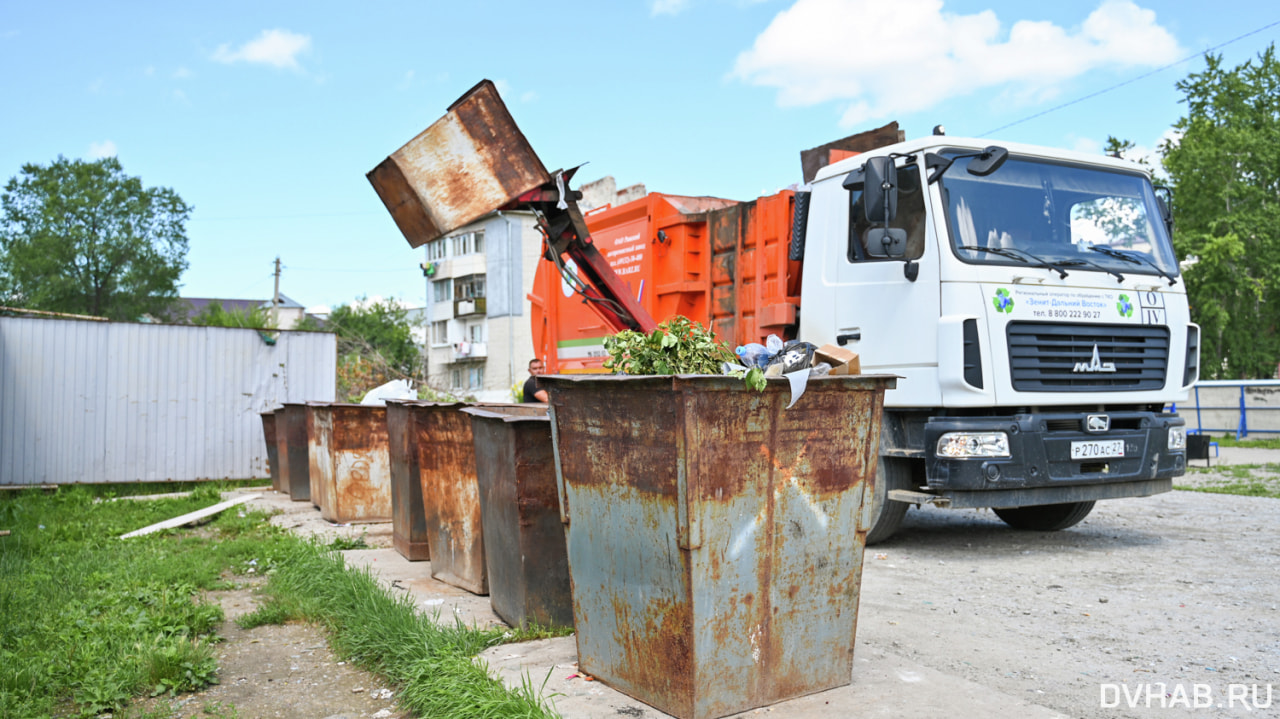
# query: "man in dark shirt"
{"type": "Point", "coordinates": [532, 391]}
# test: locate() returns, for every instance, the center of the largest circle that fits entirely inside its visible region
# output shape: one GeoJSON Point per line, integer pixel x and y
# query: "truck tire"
{"type": "Point", "coordinates": [886, 514]}
{"type": "Point", "coordinates": [1045, 517]}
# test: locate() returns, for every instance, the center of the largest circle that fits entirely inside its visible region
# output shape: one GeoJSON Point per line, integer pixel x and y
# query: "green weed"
{"type": "Point", "coordinates": [90, 621]}
{"type": "Point", "coordinates": [381, 632]}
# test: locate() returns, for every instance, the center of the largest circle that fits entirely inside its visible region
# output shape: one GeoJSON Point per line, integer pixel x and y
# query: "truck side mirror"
{"type": "Point", "coordinates": [1164, 199]}
{"type": "Point", "coordinates": [886, 242]}
{"type": "Point", "coordinates": [988, 161]}
{"type": "Point", "coordinates": [880, 189]}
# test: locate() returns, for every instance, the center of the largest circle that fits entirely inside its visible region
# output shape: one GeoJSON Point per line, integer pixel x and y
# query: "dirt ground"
{"type": "Point", "coordinates": [1169, 600]}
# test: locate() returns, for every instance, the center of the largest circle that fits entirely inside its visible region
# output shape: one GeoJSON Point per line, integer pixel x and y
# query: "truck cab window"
{"type": "Point", "coordinates": [911, 217]}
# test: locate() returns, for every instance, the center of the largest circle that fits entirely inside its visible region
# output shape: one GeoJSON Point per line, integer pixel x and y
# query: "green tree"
{"type": "Point", "coordinates": [86, 238]}
{"type": "Point", "coordinates": [1226, 168]}
{"type": "Point", "coordinates": [375, 345]}
{"type": "Point", "coordinates": [214, 315]}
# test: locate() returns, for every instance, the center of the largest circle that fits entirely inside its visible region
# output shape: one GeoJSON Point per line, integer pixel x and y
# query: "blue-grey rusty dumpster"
{"type": "Point", "coordinates": [350, 472]}
{"type": "Point", "coordinates": [715, 538]}
{"type": "Point", "coordinates": [408, 520]}
{"type": "Point", "coordinates": [523, 537]}
{"type": "Point", "coordinates": [291, 450]}
{"type": "Point", "coordinates": [451, 495]}
{"type": "Point", "coordinates": [273, 449]}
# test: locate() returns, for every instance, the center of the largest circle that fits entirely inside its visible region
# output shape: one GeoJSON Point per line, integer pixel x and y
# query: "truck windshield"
{"type": "Point", "coordinates": [1068, 215]}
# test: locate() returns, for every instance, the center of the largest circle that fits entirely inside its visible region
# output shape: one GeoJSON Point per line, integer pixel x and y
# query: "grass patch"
{"type": "Point", "coordinates": [88, 621]}
{"type": "Point", "coordinates": [1246, 480]}
{"type": "Point", "coordinates": [1229, 440]}
{"type": "Point", "coordinates": [1244, 489]}
{"type": "Point", "coordinates": [432, 663]}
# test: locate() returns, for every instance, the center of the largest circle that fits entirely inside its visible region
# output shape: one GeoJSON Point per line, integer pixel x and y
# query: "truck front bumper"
{"type": "Point", "coordinates": [1040, 468]}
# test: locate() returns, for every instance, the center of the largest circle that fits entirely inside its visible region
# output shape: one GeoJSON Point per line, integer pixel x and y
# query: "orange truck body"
{"type": "Point", "coordinates": [719, 262]}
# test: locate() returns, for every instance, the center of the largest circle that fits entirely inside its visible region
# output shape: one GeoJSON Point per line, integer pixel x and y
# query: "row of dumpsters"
{"type": "Point", "coordinates": [703, 540]}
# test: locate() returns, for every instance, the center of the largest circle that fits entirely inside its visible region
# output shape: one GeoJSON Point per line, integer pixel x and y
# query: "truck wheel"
{"type": "Point", "coordinates": [886, 515]}
{"type": "Point", "coordinates": [1045, 517]}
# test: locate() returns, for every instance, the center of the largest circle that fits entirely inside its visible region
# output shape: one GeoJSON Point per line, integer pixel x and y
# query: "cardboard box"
{"type": "Point", "coordinates": [842, 361]}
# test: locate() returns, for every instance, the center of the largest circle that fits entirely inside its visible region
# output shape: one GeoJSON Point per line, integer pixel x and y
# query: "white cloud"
{"type": "Point", "coordinates": [181, 73]}
{"type": "Point", "coordinates": [407, 81]}
{"type": "Point", "coordinates": [1087, 145]}
{"type": "Point", "coordinates": [99, 150]}
{"type": "Point", "coordinates": [667, 7]}
{"type": "Point", "coordinates": [910, 55]}
{"type": "Point", "coordinates": [278, 48]}
{"type": "Point", "coordinates": [529, 96]}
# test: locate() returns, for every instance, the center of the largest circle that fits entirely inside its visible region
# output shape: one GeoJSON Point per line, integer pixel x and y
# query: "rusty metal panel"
{"type": "Point", "coordinates": [524, 540]}
{"type": "Point", "coordinates": [269, 434]}
{"type": "Point", "coordinates": [291, 438]}
{"type": "Point", "coordinates": [470, 162]}
{"type": "Point", "coordinates": [713, 536]}
{"type": "Point", "coordinates": [408, 522]}
{"type": "Point", "coordinates": [451, 495]}
{"type": "Point", "coordinates": [350, 467]}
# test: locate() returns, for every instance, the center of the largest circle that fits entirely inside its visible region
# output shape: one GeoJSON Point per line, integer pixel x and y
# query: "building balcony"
{"type": "Point", "coordinates": [470, 351]}
{"type": "Point", "coordinates": [467, 307]}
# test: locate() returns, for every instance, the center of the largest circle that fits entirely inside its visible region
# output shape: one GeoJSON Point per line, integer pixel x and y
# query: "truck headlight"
{"type": "Point", "coordinates": [960, 445]}
{"type": "Point", "coordinates": [1177, 438]}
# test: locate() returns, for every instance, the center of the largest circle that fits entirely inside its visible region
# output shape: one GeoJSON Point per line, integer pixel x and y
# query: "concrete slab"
{"type": "Point", "coordinates": [884, 684]}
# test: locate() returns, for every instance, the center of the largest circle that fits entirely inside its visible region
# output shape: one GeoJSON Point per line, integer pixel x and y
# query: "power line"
{"type": "Point", "coordinates": [328, 269]}
{"type": "Point", "coordinates": [300, 216]}
{"type": "Point", "coordinates": [1131, 80]}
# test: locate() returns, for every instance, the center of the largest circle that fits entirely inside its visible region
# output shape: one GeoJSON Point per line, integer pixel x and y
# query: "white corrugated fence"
{"type": "Point", "coordinates": [95, 402]}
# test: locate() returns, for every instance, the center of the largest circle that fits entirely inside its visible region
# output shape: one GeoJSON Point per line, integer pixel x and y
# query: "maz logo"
{"type": "Point", "coordinates": [1095, 365]}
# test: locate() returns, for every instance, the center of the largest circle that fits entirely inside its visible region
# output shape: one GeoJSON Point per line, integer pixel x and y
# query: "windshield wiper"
{"type": "Point", "coordinates": [1068, 263]}
{"type": "Point", "coordinates": [1020, 255]}
{"type": "Point", "coordinates": [1136, 259]}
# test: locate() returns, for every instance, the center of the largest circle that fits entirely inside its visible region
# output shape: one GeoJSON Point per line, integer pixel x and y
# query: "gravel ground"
{"type": "Point", "coordinates": [1170, 600]}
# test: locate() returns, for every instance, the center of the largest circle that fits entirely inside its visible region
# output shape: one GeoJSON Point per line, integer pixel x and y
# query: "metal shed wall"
{"type": "Point", "coordinates": [96, 402]}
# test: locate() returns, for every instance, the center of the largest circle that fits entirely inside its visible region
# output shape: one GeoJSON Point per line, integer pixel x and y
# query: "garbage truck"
{"type": "Point", "coordinates": [1028, 297]}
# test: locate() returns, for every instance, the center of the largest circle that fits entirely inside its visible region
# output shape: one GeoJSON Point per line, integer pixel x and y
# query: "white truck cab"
{"type": "Point", "coordinates": [1030, 299]}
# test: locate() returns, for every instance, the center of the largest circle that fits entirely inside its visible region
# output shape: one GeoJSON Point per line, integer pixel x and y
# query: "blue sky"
{"type": "Point", "coordinates": [265, 116]}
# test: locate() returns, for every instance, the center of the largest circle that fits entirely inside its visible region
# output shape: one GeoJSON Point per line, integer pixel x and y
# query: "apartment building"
{"type": "Point", "coordinates": [479, 339]}
{"type": "Point", "coordinates": [477, 316]}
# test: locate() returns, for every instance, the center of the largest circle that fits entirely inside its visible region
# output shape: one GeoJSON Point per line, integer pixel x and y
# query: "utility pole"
{"type": "Point", "coordinates": [275, 298]}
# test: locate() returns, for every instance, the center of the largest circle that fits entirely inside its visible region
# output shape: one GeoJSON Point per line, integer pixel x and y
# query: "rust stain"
{"type": "Point", "coordinates": [657, 652]}
{"type": "Point", "coordinates": [408, 525]}
{"type": "Point", "coordinates": [450, 494]}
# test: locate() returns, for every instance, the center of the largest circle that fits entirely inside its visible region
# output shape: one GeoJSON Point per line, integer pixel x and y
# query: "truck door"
{"type": "Point", "coordinates": [888, 319]}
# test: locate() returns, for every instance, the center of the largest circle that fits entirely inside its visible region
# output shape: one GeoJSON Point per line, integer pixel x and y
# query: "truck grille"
{"type": "Point", "coordinates": [1049, 357]}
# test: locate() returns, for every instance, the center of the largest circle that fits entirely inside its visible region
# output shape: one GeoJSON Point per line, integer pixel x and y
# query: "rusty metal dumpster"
{"type": "Point", "coordinates": [715, 539]}
{"type": "Point", "coordinates": [350, 469]}
{"type": "Point", "coordinates": [408, 520]}
{"type": "Point", "coordinates": [451, 495]}
{"type": "Point", "coordinates": [291, 450]}
{"type": "Point", "coordinates": [523, 537]}
{"type": "Point", "coordinates": [273, 460]}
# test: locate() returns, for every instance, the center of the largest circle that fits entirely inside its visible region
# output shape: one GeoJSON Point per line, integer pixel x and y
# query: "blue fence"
{"type": "Point", "coordinates": [1239, 407]}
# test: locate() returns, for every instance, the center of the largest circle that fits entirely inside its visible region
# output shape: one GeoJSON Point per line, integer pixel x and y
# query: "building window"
{"type": "Point", "coordinates": [468, 288]}
{"type": "Point", "coordinates": [475, 333]}
{"type": "Point", "coordinates": [440, 290]}
{"type": "Point", "coordinates": [440, 332]}
{"type": "Point", "coordinates": [475, 377]}
{"type": "Point", "coordinates": [436, 250]}
{"type": "Point", "coordinates": [468, 244]}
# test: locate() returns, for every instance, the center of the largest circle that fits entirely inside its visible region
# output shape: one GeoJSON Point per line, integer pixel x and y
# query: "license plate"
{"type": "Point", "coordinates": [1097, 449]}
